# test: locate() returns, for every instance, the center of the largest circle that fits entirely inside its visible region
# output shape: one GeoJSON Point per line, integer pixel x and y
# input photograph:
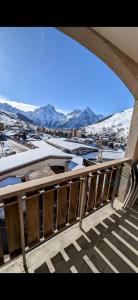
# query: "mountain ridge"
{"type": "Point", "coordinates": [48, 116]}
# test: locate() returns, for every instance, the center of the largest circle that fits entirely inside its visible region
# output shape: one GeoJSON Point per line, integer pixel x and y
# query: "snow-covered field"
{"type": "Point", "coordinates": [118, 123]}
{"type": "Point", "coordinates": [9, 146]}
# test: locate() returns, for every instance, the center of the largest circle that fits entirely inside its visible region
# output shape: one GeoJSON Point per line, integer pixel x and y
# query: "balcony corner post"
{"type": "Point", "coordinates": [131, 152]}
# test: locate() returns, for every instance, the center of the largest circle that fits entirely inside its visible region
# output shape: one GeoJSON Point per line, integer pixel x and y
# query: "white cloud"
{"type": "Point", "coordinates": [25, 106]}
{"type": "Point", "coordinates": [19, 105]}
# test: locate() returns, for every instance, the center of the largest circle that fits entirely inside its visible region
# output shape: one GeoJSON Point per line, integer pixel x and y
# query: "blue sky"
{"type": "Point", "coordinates": [42, 65]}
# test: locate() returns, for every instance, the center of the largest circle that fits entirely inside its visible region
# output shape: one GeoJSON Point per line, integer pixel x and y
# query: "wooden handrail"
{"type": "Point", "coordinates": [22, 188]}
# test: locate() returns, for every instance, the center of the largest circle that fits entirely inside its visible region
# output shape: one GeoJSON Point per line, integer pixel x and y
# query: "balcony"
{"type": "Point", "coordinates": [67, 223]}
{"type": "Point", "coordinates": [73, 222]}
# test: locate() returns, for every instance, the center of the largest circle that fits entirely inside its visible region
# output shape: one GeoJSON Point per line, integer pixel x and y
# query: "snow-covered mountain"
{"type": "Point", "coordinates": [13, 113]}
{"type": "Point", "coordinates": [46, 116]}
{"type": "Point", "coordinates": [118, 123]}
{"type": "Point", "coordinates": [80, 118]}
{"type": "Point", "coordinates": [12, 119]}
{"type": "Point", "coordinates": [8, 108]}
{"type": "Point", "coordinates": [50, 117]}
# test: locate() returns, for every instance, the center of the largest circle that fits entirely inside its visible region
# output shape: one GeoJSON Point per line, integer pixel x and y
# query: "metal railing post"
{"type": "Point", "coordinates": [82, 203]}
{"type": "Point", "coordinates": [22, 231]}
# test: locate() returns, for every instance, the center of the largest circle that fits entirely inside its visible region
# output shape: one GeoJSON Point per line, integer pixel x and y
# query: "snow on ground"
{"type": "Point", "coordinates": [113, 154]}
{"type": "Point", "coordinates": [7, 119]}
{"type": "Point", "coordinates": [67, 145]}
{"type": "Point", "coordinates": [17, 146]}
{"type": "Point", "coordinates": [119, 123]}
{"type": "Point", "coordinates": [6, 148]}
{"type": "Point", "coordinates": [9, 146]}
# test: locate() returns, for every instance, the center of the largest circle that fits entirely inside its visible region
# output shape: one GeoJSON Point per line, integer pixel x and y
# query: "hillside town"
{"type": "Point", "coordinates": [30, 145]}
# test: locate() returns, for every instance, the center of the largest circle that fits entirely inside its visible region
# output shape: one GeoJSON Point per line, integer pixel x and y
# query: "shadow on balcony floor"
{"type": "Point", "coordinates": [110, 246]}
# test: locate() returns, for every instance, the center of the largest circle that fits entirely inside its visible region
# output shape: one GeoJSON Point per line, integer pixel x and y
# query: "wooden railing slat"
{"type": "Point", "coordinates": [112, 183]}
{"type": "Point", "coordinates": [107, 185]}
{"type": "Point", "coordinates": [74, 201]}
{"type": "Point", "coordinates": [120, 169]}
{"type": "Point", "coordinates": [92, 192]}
{"type": "Point", "coordinates": [62, 206]}
{"type": "Point", "coordinates": [48, 212]}
{"type": "Point", "coordinates": [13, 226]}
{"type": "Point", "coordinates": [80, 193]}
{"type": "Point", "coordinates": [99, 189]}
{"type": "Point", "coordinates": [32, 214]}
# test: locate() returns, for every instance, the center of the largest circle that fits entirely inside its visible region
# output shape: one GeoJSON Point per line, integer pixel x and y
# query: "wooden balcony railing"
{"type": "Point", "coordinates": [36, 210]}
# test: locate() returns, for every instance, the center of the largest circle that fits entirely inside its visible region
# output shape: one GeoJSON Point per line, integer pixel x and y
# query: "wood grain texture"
{"type": "Point", "coordinates": [107, 185]}
{"type": "Point", "coordinates": [92, 192]}
{"type": "Point", "coordinates": [62, 207]}
{"type": "Point", "coordinates": [48, 212]}
{"type": "Point", "coordinates": [32, 214]}
{"type": "Point", "coordinates": [111, 194]}
{"type": "Point", "coordinates": [13, 226]}
{"type": "Point", "coordinates": [120, 170]}
{"type": "Point", "coordinates": [100, 189]}
{"type": "Point", "coordinates": [74, 201]}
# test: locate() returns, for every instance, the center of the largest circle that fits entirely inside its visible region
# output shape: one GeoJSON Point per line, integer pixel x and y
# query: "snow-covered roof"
{"type": "Point", "coordinates": [31, 156]}
{"type": "Point", "coordinates": [68, 145]}
{"type": "Point", "coordinates": [110, 154]}
{"type": "Point", "coordinates": [75, 163]}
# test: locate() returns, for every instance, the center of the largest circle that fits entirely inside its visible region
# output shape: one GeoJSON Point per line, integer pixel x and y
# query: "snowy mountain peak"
{"type": "Point", "coordinates": [7, 107]}
{"type": "Point", "coordinates": [87, 109]}
{"type": "Point", "coordinates": [48, 116]}
{"type": "Point", "coordinates": [80, 118]}
{"type": "Point", "coordinates": [48, 107]}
